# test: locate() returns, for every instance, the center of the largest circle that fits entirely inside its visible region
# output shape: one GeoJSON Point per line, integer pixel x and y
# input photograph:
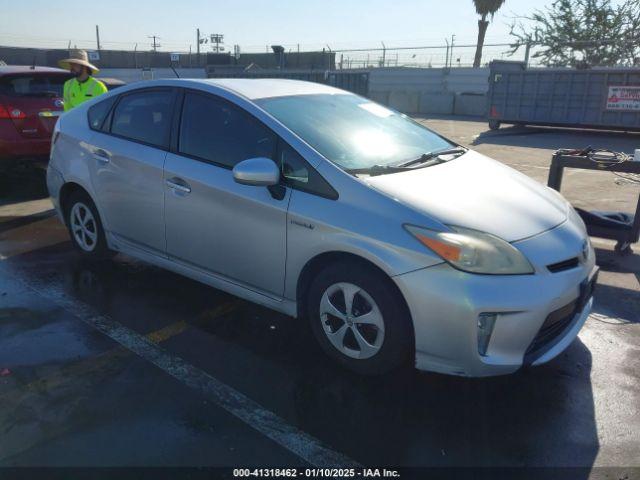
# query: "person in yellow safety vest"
{"type": "Point", "coordinates": [83, 86]}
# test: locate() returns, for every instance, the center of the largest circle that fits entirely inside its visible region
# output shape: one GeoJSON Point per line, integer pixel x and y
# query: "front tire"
{"type": "Point", "coordinates": [85, 227]}
{"type": "Point", "coordinates": [359, 319]}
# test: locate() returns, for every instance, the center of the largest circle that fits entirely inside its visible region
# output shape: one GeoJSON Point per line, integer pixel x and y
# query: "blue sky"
{"type": "Point", "coordinates": [250, 23]}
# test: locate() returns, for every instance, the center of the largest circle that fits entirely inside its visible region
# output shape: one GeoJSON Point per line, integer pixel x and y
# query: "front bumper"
{"type": "Point", "coordinates": [445, 304]}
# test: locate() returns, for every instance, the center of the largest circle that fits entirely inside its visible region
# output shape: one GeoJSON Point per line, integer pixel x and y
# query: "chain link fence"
{"type": "Point", "coordinates": [448, 55]}
{"type": "Point", "coordinates": [430, 56]}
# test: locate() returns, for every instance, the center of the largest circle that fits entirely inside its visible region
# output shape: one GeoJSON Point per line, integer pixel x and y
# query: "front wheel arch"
{"type": "Point", "coordinates": [315, 265]}
{"type": "Point", "coordinates": [398, 347]}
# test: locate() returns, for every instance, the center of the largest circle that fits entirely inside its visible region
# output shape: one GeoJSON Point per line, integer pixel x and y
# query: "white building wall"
{"type": "Point", "coordinates": [431, 90]}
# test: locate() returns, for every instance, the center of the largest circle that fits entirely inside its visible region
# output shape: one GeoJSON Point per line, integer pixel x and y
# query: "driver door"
{"type": "Point", "coordinates": [212, 222]}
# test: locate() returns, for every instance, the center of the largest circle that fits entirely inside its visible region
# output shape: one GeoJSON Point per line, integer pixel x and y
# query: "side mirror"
{"type": "Point", "coordinates": [260, 172]}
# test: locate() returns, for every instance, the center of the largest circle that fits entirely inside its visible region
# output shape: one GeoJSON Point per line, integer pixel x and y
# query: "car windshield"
{"type": "Point", "coordinates": [354, 132]}
{"type": "Point", "coordinates": [32, 85]}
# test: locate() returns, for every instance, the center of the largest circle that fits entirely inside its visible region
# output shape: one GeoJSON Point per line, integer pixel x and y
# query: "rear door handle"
{"type": "Point", "coordinates": [178, 185]}
{"type": "Point", "coordinates": [101, 155]}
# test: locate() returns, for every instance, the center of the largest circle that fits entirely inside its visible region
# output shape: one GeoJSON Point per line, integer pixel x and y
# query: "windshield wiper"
{"type": "Point", "coordinates": [425, 160]}
{"type": "Point", "coordinates": [425, 157]}
{"type": "Point", "coordinates": [377, 170]}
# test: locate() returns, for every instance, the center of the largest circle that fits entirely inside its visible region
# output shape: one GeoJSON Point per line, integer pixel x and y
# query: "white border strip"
{"type": "Point", "coordinates": [305, 446]}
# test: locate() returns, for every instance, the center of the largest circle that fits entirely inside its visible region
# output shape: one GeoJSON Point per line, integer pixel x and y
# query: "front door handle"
{"type": "Point", "coordinates": [178, 185]}
{"type": "Point", "coordinates": [101, 155]}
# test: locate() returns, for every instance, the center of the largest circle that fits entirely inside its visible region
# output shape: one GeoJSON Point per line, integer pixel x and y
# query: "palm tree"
{"type": "Point", "coordinates": [484, 8]}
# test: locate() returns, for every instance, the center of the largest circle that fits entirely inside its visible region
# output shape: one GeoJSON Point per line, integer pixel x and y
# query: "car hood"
{"type": "Point", "coordinates": [476, 192]}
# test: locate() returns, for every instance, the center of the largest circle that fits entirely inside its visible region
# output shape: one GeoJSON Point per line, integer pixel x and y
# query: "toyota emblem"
{"type": "Point", "coordinates": [59, 103]}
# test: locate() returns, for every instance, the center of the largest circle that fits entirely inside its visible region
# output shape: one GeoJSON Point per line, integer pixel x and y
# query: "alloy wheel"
{"type": "Point", "coordinates": [84, 227]}
{"type": "Point", "coordinates": [351, 320]}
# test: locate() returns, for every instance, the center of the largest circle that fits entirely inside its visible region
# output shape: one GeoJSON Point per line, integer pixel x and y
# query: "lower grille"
{"type": "Point", "coordinates": [558, 321]}
{"type": "Point", "coordinates": [554, 325]}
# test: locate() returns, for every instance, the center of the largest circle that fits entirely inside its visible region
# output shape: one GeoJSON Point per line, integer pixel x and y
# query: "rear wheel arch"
{"type": "Point", "coordinates": [84, 222]}
{"type": "Point", "coordinates": [65, 193]}
{"type": "Point", "coordinates": [67, 190]}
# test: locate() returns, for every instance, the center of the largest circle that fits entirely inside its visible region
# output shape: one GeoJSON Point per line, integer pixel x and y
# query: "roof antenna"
{"type": "Point", "coordinates": [174, 71]}
{"type": "Point", "coordinates": [33, 65]}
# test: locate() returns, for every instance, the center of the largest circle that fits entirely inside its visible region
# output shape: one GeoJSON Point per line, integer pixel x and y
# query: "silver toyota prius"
{"type": "Point", "coordinates": [397, 245]}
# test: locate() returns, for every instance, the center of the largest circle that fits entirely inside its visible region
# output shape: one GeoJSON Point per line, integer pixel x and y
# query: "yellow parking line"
{"type": "Point", "coordinates": [167, 332]}
{"type": "Point", "coordinates": [104, 362]}
{"type": "Point", "coordinates": [36, 235]}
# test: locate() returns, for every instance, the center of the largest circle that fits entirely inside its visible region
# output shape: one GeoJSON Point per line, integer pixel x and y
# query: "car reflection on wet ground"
{"type": "Point", "coordinates": [72, 396]}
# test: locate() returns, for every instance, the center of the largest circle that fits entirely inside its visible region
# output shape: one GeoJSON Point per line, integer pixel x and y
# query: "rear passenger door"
{"type": "Point", "coordinates": [212, 222]}
{"type": "Point", "coordinates": [128, 154]}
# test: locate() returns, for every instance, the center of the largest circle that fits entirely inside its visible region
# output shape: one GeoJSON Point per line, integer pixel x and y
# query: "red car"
{"type": "Point", "coordinates": [30, 104]}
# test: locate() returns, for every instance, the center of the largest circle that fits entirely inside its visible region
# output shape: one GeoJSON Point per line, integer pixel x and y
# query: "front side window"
{"type": "Point", "coordinates": [214, 130]}
{"type": "Point", "coordinates": [144, 117]}
{"type": "Point", "coordinates": [297, 173]}
{"type": "Point", "coordinates": [293, 167]}
{"type": "Point", "coordinates": [354, 132]}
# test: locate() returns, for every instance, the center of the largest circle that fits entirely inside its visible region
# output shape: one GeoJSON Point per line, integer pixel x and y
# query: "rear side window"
{"type": "Point", "coordinates": [40, 85]}
{"type": "Point", "coordinates": [99, 112]}
{"type": "Point", "coordinates": [214, 130]}
{"type": "Point", "coordinates": [144, 117]}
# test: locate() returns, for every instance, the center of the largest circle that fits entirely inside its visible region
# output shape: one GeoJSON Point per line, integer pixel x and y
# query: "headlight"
{"type": "Point", "coordinates": [473, 251]}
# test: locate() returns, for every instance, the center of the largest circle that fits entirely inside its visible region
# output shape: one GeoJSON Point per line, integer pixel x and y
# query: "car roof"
{"type": "Point", "coordinates": [255, 88]}
{"type": "Point", "coordinates": [13, 69]}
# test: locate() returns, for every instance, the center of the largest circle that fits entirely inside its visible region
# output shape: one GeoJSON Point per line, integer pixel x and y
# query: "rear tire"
{"type": "Point", "coordinates": [359, 319]}
{"type": "Point", "coordinates": [85, 227]}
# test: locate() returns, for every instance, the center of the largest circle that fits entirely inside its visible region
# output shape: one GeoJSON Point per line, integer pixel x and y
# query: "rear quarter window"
{"type": "Point", "coordinates": [98, 113]}
{"type": "Point", "coordinates": [144, 116]}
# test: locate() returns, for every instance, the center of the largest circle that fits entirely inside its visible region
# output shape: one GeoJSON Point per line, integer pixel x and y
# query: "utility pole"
{"type": "Point", "coordinates": [216, 39]}
{"type": "Point", "coordinates": [446, 57]}
{"type": "Point", "coordinates": [156, 45]}
{"type": "Point", "coordinates": [453, 37]}
{"type": "Point", "coordinates": [527, 53]}
{"type": "Point", "coordinates": [98, 37]}
{"type": "Point", "coordinates": [384, 53]}
{"type": "Point", "coordinates": [198, 45]}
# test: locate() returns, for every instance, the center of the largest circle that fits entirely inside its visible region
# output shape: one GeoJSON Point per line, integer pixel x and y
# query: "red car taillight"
{"type": "Point", "coordinates": [7, 111]}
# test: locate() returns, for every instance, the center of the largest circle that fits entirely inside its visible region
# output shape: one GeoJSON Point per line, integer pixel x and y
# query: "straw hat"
{"type": "Point", "coordinates": [78, 57]}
